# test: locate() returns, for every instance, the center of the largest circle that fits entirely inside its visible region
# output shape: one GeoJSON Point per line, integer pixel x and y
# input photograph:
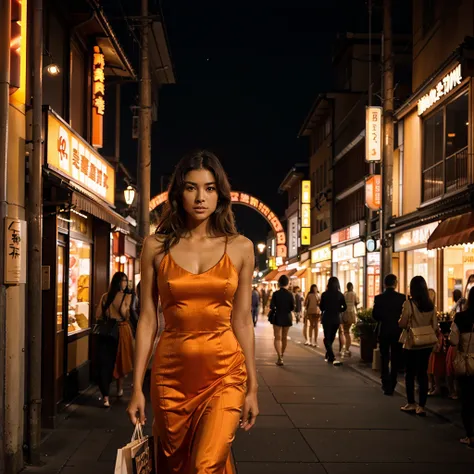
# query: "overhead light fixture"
{"type": "Point", "coordinates": [53, 70]}
{"type": "Point", "coordinates": [129, 194]}
{"type": "Point", "coordinates": [261, 247]}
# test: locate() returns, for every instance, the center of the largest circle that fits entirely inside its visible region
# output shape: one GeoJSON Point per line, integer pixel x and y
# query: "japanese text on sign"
{"type": "Point", "coordinates": [98, 93]}
{"type": "Point", "coordinates": [444, 86]}
{"type": "Point", "coordinates": [306, 192]}
{"type": "Point", "coordinates": [373, 192]}
{"type": "Point", "coordinates": [14, 258]}
{"type": "Point", "coordinates": [373, 133]}
{"type": "Point", "coordinates": [74, 157]}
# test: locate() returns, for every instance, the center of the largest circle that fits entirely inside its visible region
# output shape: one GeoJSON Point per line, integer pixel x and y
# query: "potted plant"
{"type": "Point", "coordinates": [365, 331]}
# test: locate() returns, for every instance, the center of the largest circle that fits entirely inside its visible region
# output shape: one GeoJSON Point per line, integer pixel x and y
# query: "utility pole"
{"type": "Point", "coordinates": [5, 25]}
{"type": "Point", "coordinates": [35, 248]}
{"type": "Point", "coordinates": [144, 148]}
{"type": "Point", "coordinates": [387, 162]}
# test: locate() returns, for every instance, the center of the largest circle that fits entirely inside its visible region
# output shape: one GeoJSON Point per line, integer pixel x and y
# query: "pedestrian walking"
{"type": "Point", "coordinates": [298, 303]}
{"type": "Point", "coordinates": [255, 305]}
{"type": "Point", "coordinates": [420, 331]}
{"type": "Point", "coordinates": [204, 375]}
{"type": "Point", "coordinates": [332, 305]}
{"type": "Point", "coordinates": [312, 317]}
{"type": "Point", "coordinates": [281, 307]}
{"type": "Point", "coordinates": [458, 307]}
{"type": "Point", "coordinates": [115, 337]}
{"type": "Point", "coordinates": [462, 338]}
{"type": "Point", "coordinates": [349, 317]}
{"type": "Point", "coordinates": [387, 310]}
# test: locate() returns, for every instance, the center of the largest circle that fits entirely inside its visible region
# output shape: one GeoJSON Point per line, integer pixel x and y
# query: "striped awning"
{"type": "Point", "coordinates": [457, 230]}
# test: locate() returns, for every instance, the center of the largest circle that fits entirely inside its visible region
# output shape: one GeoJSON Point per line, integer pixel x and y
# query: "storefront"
{"type": "Point", "coordinates": [302, 277]}
{"type": "Point", "coordinates": [78, 190]}
{"type": "Point", "coordinates": [348, 258]}
{"type": "Point", "coordinates": [124, 257]}
{"type": "Point", "coordinates": [321, 266]}
{"type": "Point", "coordinates": [373, 277]}
{"type": "Point", "coordinates": [414, 257]}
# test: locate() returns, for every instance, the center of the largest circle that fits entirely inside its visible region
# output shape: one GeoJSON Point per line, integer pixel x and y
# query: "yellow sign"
{"type": "Point", "coordinates": [373, 134]}
{"type": "Point", "coordinates": [306, 191]}
{"type": "Point", "coordinates": [305, 215]}
{"type": "Point", "coordinates": [321, 255]}
{"type": "Point", "coordinates": [73, 157]}
{"type": "Point", "coordinates": [305, 236]}
{"type": "Point", "coordinates": [272, 263]}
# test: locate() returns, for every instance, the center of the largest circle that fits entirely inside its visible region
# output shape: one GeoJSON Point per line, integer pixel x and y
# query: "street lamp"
{"type": "Point", "coordinates": [261, 247]}
{"type": "Point", "coordinates": [129, 194]}
{"type": "Point", "coordinates": [53, 69]}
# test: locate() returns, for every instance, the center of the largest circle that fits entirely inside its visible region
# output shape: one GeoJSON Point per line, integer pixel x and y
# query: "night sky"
{"type": "Point", "coordinates": [247, 74]}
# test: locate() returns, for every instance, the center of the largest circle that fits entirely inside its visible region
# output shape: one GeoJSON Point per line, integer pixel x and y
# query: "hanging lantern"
{"type": "Point", "coordinates": [129, 194]}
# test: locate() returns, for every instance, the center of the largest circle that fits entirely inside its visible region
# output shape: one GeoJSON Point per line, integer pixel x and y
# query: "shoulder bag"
{"type": "Point", "coordinates": [107, 327]}
{"type": "Point", "coordinates": [463, 362]}
{"type": "Point", "coordinates": [418, 338]}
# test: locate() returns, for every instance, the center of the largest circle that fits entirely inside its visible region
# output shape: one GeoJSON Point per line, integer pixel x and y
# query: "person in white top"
{"type": "Point", "coordinates": [349, 317]}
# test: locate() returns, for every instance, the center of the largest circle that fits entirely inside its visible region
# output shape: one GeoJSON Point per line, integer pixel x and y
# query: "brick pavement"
{"type": "Point", "coordinates": [314, 419]}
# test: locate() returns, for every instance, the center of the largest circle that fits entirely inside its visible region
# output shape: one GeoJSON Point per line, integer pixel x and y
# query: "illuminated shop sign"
{"type": "Point", "coordinates": [343, 253]}
{"type": "Point", "coordinates": [373, 192]}
{"type": "Point", "coordinates": [73, 157]}
{"type": "Point", "coordinates": [414, 238]}
{"type": "Point", "coordinates": [321, 254]}
{"type": "Point", "coordinates": [373, 133]}
{"type": "Point", "coordinates": [98, 97]}
{"type": "Point", "coordinates": [449, 82]}
{"type": "Point", "coordinates": [343, 235]}
{"type": "Point", "coordinates": [15, 46]}
{"type": "Point", "coordinates": [305, 212]}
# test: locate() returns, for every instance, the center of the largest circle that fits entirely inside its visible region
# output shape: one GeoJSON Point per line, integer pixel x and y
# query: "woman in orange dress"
{"type": "Point", "coordinates": [204, 382]}
{"type": "Point", "coordinates": [115, 356]}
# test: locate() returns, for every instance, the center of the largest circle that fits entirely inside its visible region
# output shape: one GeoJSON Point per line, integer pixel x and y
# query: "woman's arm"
{"type": "Point", "coordinates": [454, 335]}
{"type": "Point", "coordinates": [146, 329]}
{"type": "Point", "coordinates": [242, 325]}
{"type": "Point", "coordinates": [98, 312]}
{"type": "Point", "coordinates": [406, 311]}
{"type": "Point", "coordinates": [322, 302]}
{"type": "Point", "coordinates": [343, 302]}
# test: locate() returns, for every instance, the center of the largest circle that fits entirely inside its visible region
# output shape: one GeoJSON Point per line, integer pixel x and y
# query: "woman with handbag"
{"type": "Point", "coordinates": [462, 337]}
{"type": "Point", "coordinates": [312, 317]}
{"type": "Point", "coordinates": [420, 328]}
{"type": "Point", "coordinates": [281, 307]}
{"type": "Point", "coordinates": [115, 337]}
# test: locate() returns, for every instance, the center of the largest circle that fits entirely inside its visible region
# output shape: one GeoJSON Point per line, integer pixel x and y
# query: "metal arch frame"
{"type": "Point", "coordinates": [252, 203]}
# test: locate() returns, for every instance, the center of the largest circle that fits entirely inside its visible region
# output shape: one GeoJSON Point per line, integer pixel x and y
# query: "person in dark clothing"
{"type": "Point", "coordinates": [462, 337]}
{"type": "Point", "coordinates": [332, 305]}
{"type": "Point", "coordinates": [281, 307]}
{"type": "Point", "coordinates": [387, 311]}
{"type": "Point", "coordinates": [255, 305]}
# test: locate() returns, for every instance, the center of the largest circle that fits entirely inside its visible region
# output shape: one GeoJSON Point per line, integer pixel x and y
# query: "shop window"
{"type": "Point", "coordinates": [80, 254]}
{"type": "Point", "coordinates": [458, 266]}
{"type": "Point", "coordinates": [445, 149]}
{"type": "Point", "coordinates": [421, 262]}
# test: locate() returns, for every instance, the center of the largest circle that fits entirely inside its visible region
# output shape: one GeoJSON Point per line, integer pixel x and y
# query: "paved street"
{"type": "Point", "coordinates": [314, 419]}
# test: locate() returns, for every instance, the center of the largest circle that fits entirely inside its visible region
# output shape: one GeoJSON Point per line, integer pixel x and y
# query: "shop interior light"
{"type": "Point", "coordinates": [123, 259]}
{"type": "Point", "coordinates": [260, 274]}
{"type": "Point", "coordinates": [129, 194]}
{"type": "Point", "coordinates": [261, 247]}
{"type": "Point", "coordinates": [53, 69]}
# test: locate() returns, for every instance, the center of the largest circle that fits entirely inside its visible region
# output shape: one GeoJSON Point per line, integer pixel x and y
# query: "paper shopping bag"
{"type": "Point", "coordinates": [143, 457]}
{"type": "Point", "coordinates": [123, 461]}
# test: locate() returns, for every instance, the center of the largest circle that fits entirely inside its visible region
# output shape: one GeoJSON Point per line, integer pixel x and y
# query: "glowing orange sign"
{"type": "Point", "coordinates": [98, 97]}
{"type": "Point", "coordinates": [373, 192]}
{"type": "Point", "coordinates": [254, 203]}
{"type": "Point", "coordinates": [15, 43]}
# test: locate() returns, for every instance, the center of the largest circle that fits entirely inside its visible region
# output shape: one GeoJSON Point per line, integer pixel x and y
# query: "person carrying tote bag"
{"type": "Point", "coordinates": [420, 327]}
{"type": "Point", "coordinates": [462, 338]}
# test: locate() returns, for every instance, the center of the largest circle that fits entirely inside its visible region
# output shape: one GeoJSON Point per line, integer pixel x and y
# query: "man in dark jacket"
{"type": "Point", "coordinates": [387, 311]}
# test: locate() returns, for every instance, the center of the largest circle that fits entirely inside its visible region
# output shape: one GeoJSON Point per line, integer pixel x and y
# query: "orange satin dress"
{"type": "Point", "coordinates": [199, 375]}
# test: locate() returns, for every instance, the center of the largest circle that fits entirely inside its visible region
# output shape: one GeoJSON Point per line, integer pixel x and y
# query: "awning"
{"type": "Point", "coordinates": [102, 212]}
{"type": "Point", "coordinates": [458, 230]}
{"type": "Point", "coordinates": [288, 273]}
{"type": "Point", "coordinates": [270, 276]}
{"type": "Point", "coordinates": [299, 273]}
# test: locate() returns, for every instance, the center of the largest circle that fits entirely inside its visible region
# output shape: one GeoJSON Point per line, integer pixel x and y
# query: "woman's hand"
{"type": "Point", "coordinates": [137, 406]}
{"type": "Point", "coordinates": [250, 411]}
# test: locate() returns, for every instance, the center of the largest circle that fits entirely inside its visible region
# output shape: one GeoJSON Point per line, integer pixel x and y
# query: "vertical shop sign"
{"type": "Point", "coordinates": [98, 97]}
{"type": "Point", "coordinates": [373, 134]}
{"type": "Point", "coordinates": [15, 257]}
{"type": "Point", "coordinates": [373, 192]}
{"type": "Point", "coordinates": [15, 44]}
{"type": "Point", "coordinates": [305, 212]}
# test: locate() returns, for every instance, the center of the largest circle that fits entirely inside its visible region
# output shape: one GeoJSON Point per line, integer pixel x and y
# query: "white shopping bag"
{"type": "Point", "coordinates": [124, 463]}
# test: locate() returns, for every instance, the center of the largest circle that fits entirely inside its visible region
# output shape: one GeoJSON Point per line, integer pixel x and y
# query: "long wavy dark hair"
{"type": "Point", "coordinates": [420, 295]}
{"type": "Point", "coordinates": [172, 225]}
{"type": "Point", "coordinates": [114, 289]}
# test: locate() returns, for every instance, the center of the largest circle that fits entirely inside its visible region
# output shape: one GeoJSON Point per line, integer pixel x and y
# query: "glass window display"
{"type": "Point", "coordinates": [59, 289]}
{"type": "Point", "coordinates": [79, 286]}
{"type": "Point", "coordinates": [422, 262]}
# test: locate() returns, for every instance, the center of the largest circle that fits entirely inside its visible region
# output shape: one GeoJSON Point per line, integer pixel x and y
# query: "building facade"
{"type": "Point", "coordinates": [433, 167]}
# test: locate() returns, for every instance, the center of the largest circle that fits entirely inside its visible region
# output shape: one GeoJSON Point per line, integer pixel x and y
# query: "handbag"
{"type": "Point", "coordinates": [107, 327]}
{"type": "Point", "coordinates": [463, 362]}
{"type": "Point", "coordinates": [417, 338]}
{"type": "Point", "coordinates": [137, 457]}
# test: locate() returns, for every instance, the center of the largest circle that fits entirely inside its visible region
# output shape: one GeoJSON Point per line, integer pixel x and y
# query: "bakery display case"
{"type": "Point", "coordinates": [79, 286]}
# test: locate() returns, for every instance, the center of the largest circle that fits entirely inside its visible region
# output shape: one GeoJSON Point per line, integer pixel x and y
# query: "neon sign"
{"type": "Point", "coordinates": [98, 91]}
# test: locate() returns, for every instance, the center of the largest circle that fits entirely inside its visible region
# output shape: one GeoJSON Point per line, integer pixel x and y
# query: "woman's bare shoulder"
{"type": "Point", "coordinates": [241, 243]}
{"type": "Point", "coordinates": [153, 248]}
